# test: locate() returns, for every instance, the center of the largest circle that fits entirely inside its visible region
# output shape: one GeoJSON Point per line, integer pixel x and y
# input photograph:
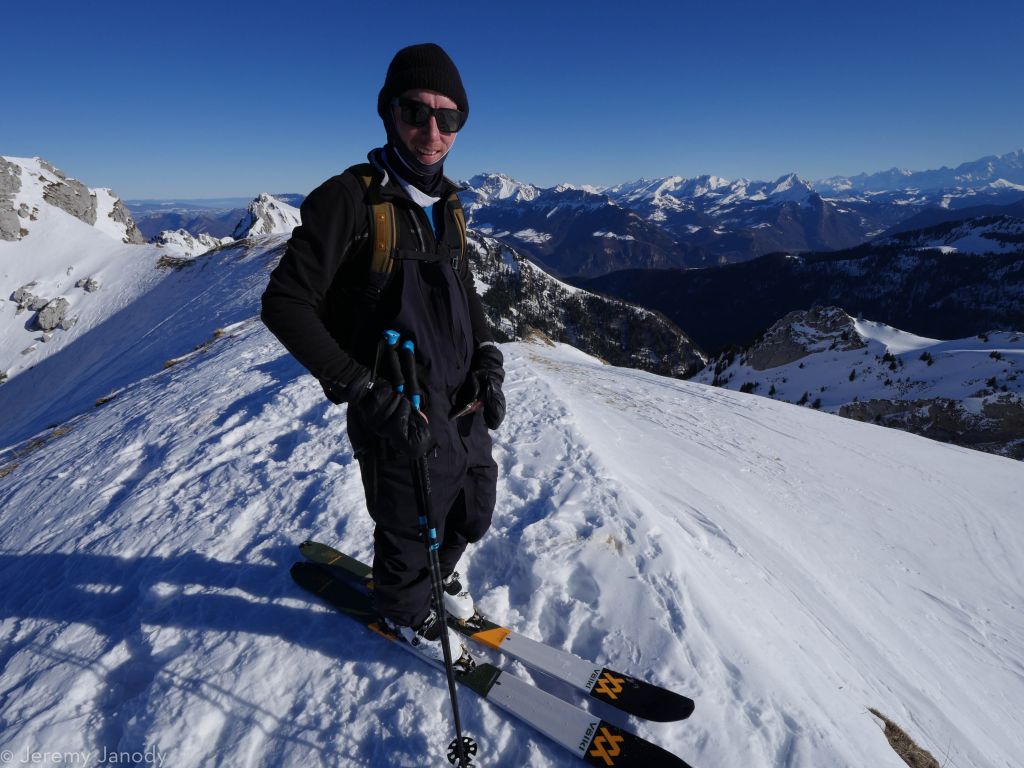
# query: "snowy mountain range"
{"type": "Point", "coordinates": [216, 217]}
{"type": "Point", "coordinates": [967, 391]}
{"type": "Point", "coordinates": [944, 281]}
{"type": "Point", "coordinates": [708, 220]}
{"type": "Point", "coordinates": [995, 172]}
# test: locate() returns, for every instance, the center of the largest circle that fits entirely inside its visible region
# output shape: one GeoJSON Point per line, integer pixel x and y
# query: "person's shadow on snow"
{"type": "Point", "coordinates": [124, 598]}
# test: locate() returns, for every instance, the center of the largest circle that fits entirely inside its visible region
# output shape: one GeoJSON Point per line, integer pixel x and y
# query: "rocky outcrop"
{"type": "Point", "coordinates": [185, 243]}
{"type": "Point", "coordinates": [10, 185]}
{"type": "Point", "coordinates": [521, 300]}
{"type": "Point", "coordinates": [72, 196]}
{"type": "Point", "coordinates": [998, 428]}
{"type": "Point", "coordinates": [802, 333]}
{"type": "Point", "coordinates": [53, 315]}
{"type": "Point", "coordinates": [25, 299]}
{"type": "Point", "coordinates": [88, 284]}
{"type": "Point", "coordinates": [121, 215]}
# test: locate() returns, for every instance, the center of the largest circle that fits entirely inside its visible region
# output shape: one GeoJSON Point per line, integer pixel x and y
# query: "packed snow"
{"type": "Point", "coordinates": [786, 568]}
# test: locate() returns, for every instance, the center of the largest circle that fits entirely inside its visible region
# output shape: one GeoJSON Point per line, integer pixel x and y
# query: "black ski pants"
{"type": "Point", "coordinates": [462, 496]}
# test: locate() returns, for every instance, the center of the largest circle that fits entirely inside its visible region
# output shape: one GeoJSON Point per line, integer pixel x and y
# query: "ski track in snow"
{"type": "Point", "coordinates": [784, 567]}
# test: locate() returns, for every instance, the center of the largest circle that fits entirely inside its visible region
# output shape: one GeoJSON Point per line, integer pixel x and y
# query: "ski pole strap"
{"type": "Point", "coordinates": [407, 354]}
{"type": "Point", "coordinates": [394, 368]}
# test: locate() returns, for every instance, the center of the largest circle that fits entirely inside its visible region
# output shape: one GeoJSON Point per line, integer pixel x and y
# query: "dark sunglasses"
{"type": "Point", "coordinates": [418, 114]}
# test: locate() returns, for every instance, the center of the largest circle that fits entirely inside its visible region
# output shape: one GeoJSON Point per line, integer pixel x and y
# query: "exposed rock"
{"type": "Point", "coordinates": [187, 244]}
{"type": "Point", "coordinates": [522, 300]}
{"type": "Point", "coordinates": [51, 168]}
{"type": "Point", "coordinates": [22, 295]}
{"type": "Point", "coordinates": [52, 315]}
{"type": "Point", "coordinates": [121, 215]}
{"type": "Point", "coordinates": [89, 284]}
{"type": "Point", "coordinates": [36, 303]}
{"type": "Point", "coordinates": [800, 334]}
{"type": "Point", "coordinates": [25, 299]}
{"type": "Point", "coordinates": [999, 425]}
{"type": "Point", "coordinates": [3, 376]}
{"type": "Point", "coordinates": [74, 197]}
{"type": "Point", "coordinates": [10, 184]}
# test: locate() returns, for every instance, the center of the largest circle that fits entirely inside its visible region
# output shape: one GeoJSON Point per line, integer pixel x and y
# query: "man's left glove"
{"type": "Point", "coordinates": [486, 375]}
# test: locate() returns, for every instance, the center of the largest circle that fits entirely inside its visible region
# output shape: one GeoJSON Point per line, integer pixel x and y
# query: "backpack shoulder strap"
{"type": "Point", "coordinates": [460, 222]}
{"type": "Point", "coordinates": [382, 223]}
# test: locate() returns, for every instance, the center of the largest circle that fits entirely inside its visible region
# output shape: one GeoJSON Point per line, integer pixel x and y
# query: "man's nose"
{"type": "Point", "coordinates": [431, 127]}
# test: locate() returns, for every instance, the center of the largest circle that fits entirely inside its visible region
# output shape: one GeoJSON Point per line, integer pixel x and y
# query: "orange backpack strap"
{"type": "Point", "coordinates": [382, 224]}
{"type": "Point", "coordinates": [460, 222]}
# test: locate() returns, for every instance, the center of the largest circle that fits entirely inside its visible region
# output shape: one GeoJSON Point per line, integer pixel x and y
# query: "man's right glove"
{"type": "Point", "coordinates": [386, 413]}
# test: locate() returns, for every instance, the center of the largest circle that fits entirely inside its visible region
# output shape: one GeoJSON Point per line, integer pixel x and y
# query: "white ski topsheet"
{"type": "Point", "coordinates": [554, 661]}
{"type": "Point", "coordinates": [786, 568]}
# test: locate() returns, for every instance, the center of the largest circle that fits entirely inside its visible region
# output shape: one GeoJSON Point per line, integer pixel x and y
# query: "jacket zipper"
{"type": "Point", "coordinates": [419, 230]}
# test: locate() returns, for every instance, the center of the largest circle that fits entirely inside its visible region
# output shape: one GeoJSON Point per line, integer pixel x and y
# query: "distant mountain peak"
{"type": "Point", "coordinates": [267, 216]}
{"type": "Point", "coordinates": [789, 187]}
{"type": "Point", "coordinates": [498, 186]}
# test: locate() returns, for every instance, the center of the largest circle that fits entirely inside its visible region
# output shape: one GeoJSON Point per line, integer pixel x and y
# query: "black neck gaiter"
{"type": "Point", "coordinates": [428, 179]}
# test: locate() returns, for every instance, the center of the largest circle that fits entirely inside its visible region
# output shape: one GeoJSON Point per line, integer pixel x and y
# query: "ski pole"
{"type": "Point", "coordinates": [462, 746]}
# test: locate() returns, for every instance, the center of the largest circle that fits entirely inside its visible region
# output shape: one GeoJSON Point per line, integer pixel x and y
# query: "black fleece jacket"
{"type": "Point", "coordinates": [314, 291]}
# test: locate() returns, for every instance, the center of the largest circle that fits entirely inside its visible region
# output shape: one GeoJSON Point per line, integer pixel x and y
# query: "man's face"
{"type": "Point", "coordinates": [427, 143]}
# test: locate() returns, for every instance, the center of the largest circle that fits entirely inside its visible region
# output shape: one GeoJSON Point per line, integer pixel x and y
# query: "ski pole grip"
{"type": "Point", "coordinates": [408, 359]}
{"type": "Point", "coordinates": [394, 368]}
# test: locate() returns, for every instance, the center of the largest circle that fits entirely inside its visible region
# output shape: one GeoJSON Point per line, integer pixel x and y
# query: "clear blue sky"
{"type": "Point", "coordinates": [190, 99]}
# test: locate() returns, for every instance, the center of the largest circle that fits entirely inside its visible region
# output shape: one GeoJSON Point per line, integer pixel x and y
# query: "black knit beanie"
{"type": "Point", "coordinates": [422, 66]}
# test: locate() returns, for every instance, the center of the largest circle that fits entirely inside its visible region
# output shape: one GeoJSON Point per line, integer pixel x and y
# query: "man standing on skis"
{"type": "Point", "coordinates": [347, 276]}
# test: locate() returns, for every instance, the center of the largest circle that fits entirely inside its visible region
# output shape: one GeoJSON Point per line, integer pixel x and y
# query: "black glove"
{"type": "Point", "coordinates": [392, 417]}
{"type": "Point", "coordinates": [386, 413]}
{"type": "Point", "coordinates": [486, 375]}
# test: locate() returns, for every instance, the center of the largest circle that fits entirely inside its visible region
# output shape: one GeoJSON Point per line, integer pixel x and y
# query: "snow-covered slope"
{"type": "Point", "coordinates": [786, 568]}
{"type": "Point", "coordinates": [31, 186]}
{"type": "Point", "coordinates": [74, 271]}
{"type": "Point", "coordinates": [968, 391]}
{"type": "Point", "coordinates": [184, 243]}
{"type": "Point", "coordinates": [984, 234]}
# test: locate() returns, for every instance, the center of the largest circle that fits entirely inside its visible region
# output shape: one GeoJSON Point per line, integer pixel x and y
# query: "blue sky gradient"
{"type": "Point", "coordinates": [194, 100]}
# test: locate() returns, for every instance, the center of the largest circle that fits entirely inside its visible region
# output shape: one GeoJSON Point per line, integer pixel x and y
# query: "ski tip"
{"type": "Point", "coordinates": [612, 746]}
{"type": "Point", "coordinates": [641, 698]}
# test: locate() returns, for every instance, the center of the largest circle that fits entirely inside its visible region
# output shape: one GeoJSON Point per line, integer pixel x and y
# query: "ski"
{"type": "Point", "coordinates": [591, 739]}
{"type": "Point", "coordinates": [622, 691]}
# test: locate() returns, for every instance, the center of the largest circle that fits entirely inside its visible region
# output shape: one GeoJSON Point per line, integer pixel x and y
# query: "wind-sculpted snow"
{"type": "Point", "coordinates": [786, 568]}
{"type": "Point", "coordinates": [162, 307]}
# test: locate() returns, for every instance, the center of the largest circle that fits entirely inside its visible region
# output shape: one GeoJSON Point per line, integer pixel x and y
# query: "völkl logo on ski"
{"type": "Point", "coordinates": [609, 685]}
{"type": "Point", "coordinates": [606, 746]}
